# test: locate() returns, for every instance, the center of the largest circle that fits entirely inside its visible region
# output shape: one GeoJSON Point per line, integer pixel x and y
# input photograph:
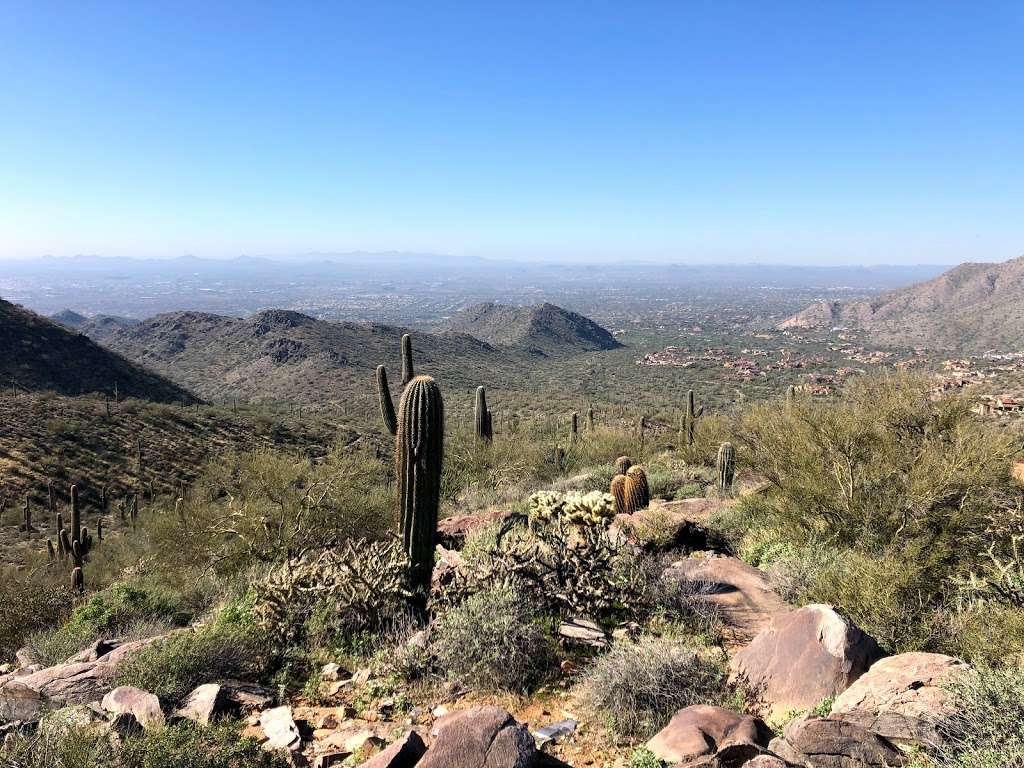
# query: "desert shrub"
{"type": "Point", "coordinates": [186, 744]}
{"type": "Point", "coordinates": [713, 429]}
{"type": "Point", "coordinates": [55, 744]}
{"type": "Point", "coordinates": [635, 688]}
{"type": "Point", "coordinates": [31, 601]}
{"type": "Point", "coordinates": [984, 730]}
{"type": "Point", "coordinates": [683, 601]}
{"type": "Point", "coordinates": [991, 635]}
{"type": "Point", "coordinates": [495, 640]}
{"type": "Point", "coordinates": [126, 609]}
{"type": "Point", "coordinates": [230, 646]}
{"type": "Point", "coordinates": [642, 757]}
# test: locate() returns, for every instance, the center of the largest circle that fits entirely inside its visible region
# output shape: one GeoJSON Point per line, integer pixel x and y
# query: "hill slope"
{"type": "Point", "coordinates": [280, 355]}
{"type": "Point", "coordinates": [543, 328]}
{"type": "Point", "coordinates": [971, 308]}
{"type": "Point", "coordinates": [37, 353]}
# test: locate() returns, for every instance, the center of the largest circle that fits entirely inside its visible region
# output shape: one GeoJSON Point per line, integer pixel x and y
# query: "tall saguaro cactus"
{"type": "Point", "coordinates": [407, 370]}
{"type": "Point", "coordinates": [482, 416]}
{"type": "Point", "coordinates": [726, 466]}
{"type": "Point", "coordinates": [690, 417]}
{"type": "Point", "coordinates": [419, 448]}
{"type": "Point", "coordinates": [76, 516]}
{"type": "Point", "coordinates": [590, 419]}
{"type": "Point", "coordinates": [574, 427]}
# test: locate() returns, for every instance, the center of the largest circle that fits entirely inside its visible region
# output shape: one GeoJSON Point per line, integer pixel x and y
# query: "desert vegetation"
{"type": "Point", "coordinates": [542, 565]}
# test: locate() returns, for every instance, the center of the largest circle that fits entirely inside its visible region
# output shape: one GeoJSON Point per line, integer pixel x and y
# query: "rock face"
{"type": "Point", "coordinates": [902, 697]}
{"type": "Point", "coordinates": [741, 593]}
{"type": "Point", "coordinates": [817, 742]}
{"type": "Point", "coordinates": [803, 657]}
{"type": "Point", "coordinates": [703, 730]}
{"type": "Point", "coordinates": [142, 705]}
{"type": "Point", "coordinates": [482, 737]}
{"type": "Point", "coordinates": [404, 752]}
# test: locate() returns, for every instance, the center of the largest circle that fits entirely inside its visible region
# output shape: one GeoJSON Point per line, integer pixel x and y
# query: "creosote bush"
{"type": "Point", "coordinates": [495, 640]}
{"type": "Point", "coordinates": [636, 687]}
{"type": "Point", "coordinates": [985, 728]}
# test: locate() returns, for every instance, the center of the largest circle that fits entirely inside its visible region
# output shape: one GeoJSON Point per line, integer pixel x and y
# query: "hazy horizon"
{"type": "Point", "coordinates": [570, 132]}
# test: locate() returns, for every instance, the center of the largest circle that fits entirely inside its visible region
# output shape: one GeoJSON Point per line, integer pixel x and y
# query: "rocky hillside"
{"type": "Point", "coordinates": [543, 328]}
{"type": "Point", "coordinates": [280, 355]}
{"type": "Point", "coordinates": [96, 327]}
{"type": "Point", "coordinates": [971, 308]}
{"type": "Point", "coordinates": [37, 354]}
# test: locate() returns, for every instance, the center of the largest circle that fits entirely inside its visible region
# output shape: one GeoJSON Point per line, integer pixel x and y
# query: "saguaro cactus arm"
{"type": "Point", "coordinates": [387, 405]}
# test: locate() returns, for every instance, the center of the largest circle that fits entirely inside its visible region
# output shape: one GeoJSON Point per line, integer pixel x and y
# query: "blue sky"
{"type": "Point", "coordinates": [817, 132]}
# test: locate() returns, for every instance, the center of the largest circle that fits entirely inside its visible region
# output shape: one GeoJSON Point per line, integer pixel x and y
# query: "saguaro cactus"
{"type": "Point", "coordinates": [482, 416]}
{"type": "Point", "coordinates": [690, 417]}
{"type": "Point", "coordinates": [387, 406]}
{"type": "Point", "coordinates": [590, 419]}
{"type": "Point", "coordinates": [419, 448]}
{"type": "Point", "coordinates": [77, 579]}
{"type": "Point", "coordinates": [26, 524]}
{"type": "Point", "coordinates": [726, 466]}
{"type": "Point", "coordinates": [76, 516]}
{"type": "Point", "coordinates": [574, 427]}
{"type": "Point", "coordinates": [407, 371]}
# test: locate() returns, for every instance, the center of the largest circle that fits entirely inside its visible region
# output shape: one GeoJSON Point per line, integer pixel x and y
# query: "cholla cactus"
{"type": "Point", "coordinates": [546, 505]}
{"type": "Point", "coordinates": [594, 508]}
{"type": "Point", "coordinates": [362, 581]}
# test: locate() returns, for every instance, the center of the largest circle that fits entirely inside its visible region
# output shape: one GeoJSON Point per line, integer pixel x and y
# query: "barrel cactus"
{"type": "Point", "coordinates": [622, 465]}
{"type": "Point", "coordinates": [419, 447]}
{"type": "Point", "coordinates": [617, 490]}
{"type": "Point", "coordinates": [726, 466]}
{"type": "Point", "coordinates": [637, 491]}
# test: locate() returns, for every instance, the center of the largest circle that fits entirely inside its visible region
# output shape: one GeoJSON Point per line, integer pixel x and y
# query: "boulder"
{"type": "Point", "coordinates": [902, 697]}
{"type": "Point", "coordinates": [741, 593]}
{"type": "Point", "coordinates": [452, 531]}
{"type": "Point", "coordinates": [247, 697]}
{"type": "Point", "coordinates": [143, 705]}
{"type": "Point", "coordinates": [404, 752]}
{"type": "Point", "coordinates": [280, 729]}
{"type": "Point", "coordinates": [206, 704]}
{"type": "Point", "coordinates": [803, 657]}
{"type": "Point", "coordinates": [817, 742]}
{"type": "Point", "coordinates": [704, 730]}
{"type": "Point", "coordinates": [583, 632]}
{"type": "Point", "coordinates": [482, 737]}
{"type": "Point", "coordinates": [766, 761]}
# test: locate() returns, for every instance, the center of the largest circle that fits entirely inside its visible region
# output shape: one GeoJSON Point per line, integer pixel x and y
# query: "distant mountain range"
{"type": "Point", "coordinates": [39, 354]}
{"type": "Point", "coordinates": [288, 356]}
{"type": "Point", "coordinates": [971, 308]}
{"type": "Point", "coordinates": [544, 328]}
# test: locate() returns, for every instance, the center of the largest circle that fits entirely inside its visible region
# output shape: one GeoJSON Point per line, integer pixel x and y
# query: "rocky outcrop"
{"type": "Point", "coordinates": [740, 593]}
{"type": "Point", "coordinates": [816, 742]}
{"type": "Point", "coordinates": [702, 731]}
{"type": "Point", "coordinates": [482, 736]}
{"type": "Point", "coordinates": [86, 677]}
{"type": "Point", "coordinates": [206, 704]}
{"type": "Point", "coordinates": [803, 657]}
{"type": "Point", "coordinates": [902, 697]}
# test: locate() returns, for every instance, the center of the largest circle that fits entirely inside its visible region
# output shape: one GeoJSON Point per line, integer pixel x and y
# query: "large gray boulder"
{"type": "Point", "coordinates": [803, 657]}
{"type": "Point", "coordinates": [704, 730]}
{"type": "Point", "coordinates": [816, 742]}
{"type": "Point", "coordinates": [902, 697]}
{"type": "Point", "coordinates": [482, 737]}
{"type": "Point", "coordinates": [142, 705]}
{"type": "Point", "coordinates": [403, 752]}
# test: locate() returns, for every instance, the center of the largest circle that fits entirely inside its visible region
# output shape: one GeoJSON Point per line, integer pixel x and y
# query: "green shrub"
{"type": "Point", "coordinates": [985, 728]}
{"type": "Point", "coordinates": [31, 602]}
{"type": "Point", "coordinates": [229, 647]}
{"type": "Point", "coordinates": [635, 688]}
{"type": "Point", "coordinates": [55, 744]}
{"type": "Point", "coordinates": [495, 641]}
{"type": "Point", "coordinates": [642, 757]}
{"type": "Point", "coordinates": [190, 746]}
{"type": "Point", "coordinates": [127, 609]}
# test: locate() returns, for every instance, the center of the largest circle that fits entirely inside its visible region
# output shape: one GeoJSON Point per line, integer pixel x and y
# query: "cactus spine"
{"type": "Point", "coordinates": [726, 466]}
{"type": "Point", "coordinates": [407, 370]}
{"type": "Point", "coordinates": [690, 417]}
{"type": "Point", "coordinates": [387, 406]}
{"type": "Point", "coordinates": [481, 416]}
{"type": "Point", "coordinates": [419, 448]}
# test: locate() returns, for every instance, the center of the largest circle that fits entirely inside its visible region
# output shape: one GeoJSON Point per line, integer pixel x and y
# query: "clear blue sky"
{"type": "Point", "coordinates": [819, 132]}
